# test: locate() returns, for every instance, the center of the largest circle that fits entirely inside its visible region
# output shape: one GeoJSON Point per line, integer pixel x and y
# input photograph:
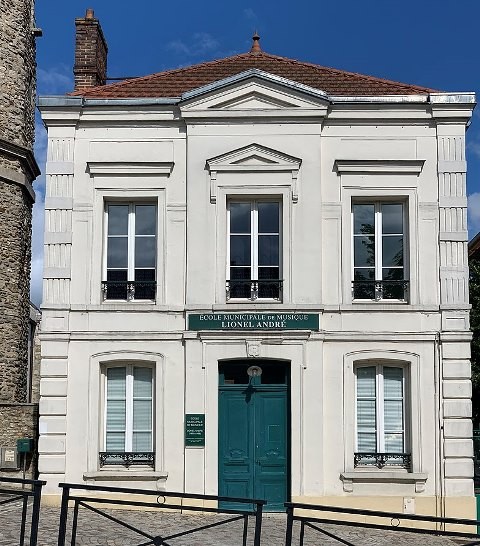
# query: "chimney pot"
{"type": "Point", "coordinates": [89, 13]}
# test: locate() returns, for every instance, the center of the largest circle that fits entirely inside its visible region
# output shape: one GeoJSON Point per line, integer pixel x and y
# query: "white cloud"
{"type": "Point", "coordinates": [201, 43]}
{"type": "Point", "coordinates": [474, 147]}
{"type": "Point", "coordinates": [38, 214]}
{"type": "Point", "coordinates": [474, 213]}
{"type": "Point", "coordinates": [37, 249]}
{"type": "Point", "coordinates": [57, 80]}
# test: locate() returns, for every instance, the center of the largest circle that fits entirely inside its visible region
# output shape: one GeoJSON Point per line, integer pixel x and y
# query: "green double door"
{"type": "Point", "coordinates": [254, 433]}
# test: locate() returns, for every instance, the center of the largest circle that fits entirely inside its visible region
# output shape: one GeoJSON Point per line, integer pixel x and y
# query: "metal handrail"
{"type": "Point", "coordinates": [92, 502]}
{"type": "Point", "coordinates": [394, 517]}
{"type": "Point", "coordinates": [24, 495]}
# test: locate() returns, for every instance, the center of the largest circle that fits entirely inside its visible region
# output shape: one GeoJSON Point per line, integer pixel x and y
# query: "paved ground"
{"type": "Point", "coordinates": [95, 530]}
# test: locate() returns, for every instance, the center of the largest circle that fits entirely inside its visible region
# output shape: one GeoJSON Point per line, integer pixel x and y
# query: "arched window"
{"type": "Point", "coordinates": [380, 415]}
{"type": "Point", "coordinates": [129, 414]}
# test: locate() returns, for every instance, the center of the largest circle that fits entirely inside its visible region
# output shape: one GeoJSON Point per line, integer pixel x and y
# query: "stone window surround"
{"type": "Point", "coordinates": [96, 411]}
{"type": "Point", "coordinates": [409, 196]}
{"type": "Point", "coordinates": [350, 476]}
{"type": "Point", "coordinates": [97, 250]}
{"type": "Point", "coordinates": [225, 193]}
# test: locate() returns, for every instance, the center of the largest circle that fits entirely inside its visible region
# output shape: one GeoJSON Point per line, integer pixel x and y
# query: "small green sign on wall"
{"type": "Point", "coordinates": [195, 430]}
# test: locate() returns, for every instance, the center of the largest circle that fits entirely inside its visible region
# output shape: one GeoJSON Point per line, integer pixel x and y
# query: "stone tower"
{"type": "Point", "coordinates": [18, 169]}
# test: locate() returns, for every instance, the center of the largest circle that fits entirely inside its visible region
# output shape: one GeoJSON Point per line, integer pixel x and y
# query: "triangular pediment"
{"type": "Point", "coordinates": [254, 157]}
{"type": "Point", "coordinates": [254, 93]}
{"type": "Point", "coordinates": [253, 101]}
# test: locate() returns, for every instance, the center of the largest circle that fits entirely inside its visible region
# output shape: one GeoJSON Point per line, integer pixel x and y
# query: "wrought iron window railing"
{"type": "Point", "coordinates": [146, 458]}
{"type": "Point", "coordinates": [380, 460]}
{"type": "Point", "coordinates": [381, 290]}
{"type": "Point", "coordinates": [249, 289]}
{"type": "Point", "coordinates": [129, 290]}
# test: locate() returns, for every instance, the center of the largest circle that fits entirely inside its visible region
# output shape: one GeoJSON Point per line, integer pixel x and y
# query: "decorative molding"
{"type": "Point", "coordinates": [253, 348]}
{"type": "Point", "coordinates": [349, 479]}
{"type": "Point", "coordinates": [158, 168]}
{"type": "Point", "coordinates": [21, 154]}
{"type": "Point", "coordinates": [253, 158]}
{"type": "Point", "coordinates": [125, 475]}
{"type": "Point", "coordinates": [401, 166]}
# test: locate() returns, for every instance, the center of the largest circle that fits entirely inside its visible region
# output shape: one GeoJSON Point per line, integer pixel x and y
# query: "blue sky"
{"type": "Point", "coordinates": [433, 43]}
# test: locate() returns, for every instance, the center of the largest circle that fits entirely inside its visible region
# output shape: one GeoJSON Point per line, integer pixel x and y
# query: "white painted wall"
{"type": "Point", "coordinates": [190, 159]}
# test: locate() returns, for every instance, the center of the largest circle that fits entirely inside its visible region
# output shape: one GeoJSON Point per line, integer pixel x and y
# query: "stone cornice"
{"type": "Point", "coordinates": [27, 159]}
{"type": "Point", "coordinates": [23, 154]}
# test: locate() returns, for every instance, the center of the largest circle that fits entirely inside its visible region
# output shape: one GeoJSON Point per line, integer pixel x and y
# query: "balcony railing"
{"type": "Point", "coordinates": [268, 289]}
{"type": "Point", "coordinates": [129, 290]}
{"type": "Point", "coordinates": [127, 459]}
{"type": "Point", "coordinates": [380, 460]}
{"type": "Point", "coordinates": [381, 290]}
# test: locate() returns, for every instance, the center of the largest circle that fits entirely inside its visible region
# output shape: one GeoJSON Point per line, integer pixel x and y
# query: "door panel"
{"type": "Point", "coordinates": [235, 445]}
{"type": "Point", "coordinates": [271, 448]}
{"type": "Point", "coordinates": [253, 444]}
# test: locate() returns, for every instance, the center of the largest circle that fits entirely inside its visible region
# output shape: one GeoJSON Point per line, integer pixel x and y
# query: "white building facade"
{"type": "Point", "coordinates": [259, 288]}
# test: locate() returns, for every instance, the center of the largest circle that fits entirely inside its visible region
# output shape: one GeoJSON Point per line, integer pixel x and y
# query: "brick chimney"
{"type": "Point", "coordinates": [90, 52]}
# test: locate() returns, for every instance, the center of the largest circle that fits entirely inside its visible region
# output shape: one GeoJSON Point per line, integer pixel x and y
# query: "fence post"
{"type": "Point", "coordinates": [289, 531]}
{"type": "Point", "coordinates": [62, 527]}
{"type": "Point", "coordinates": [37, 495]}
{"type": "Point", "coordinates": [258, 524]}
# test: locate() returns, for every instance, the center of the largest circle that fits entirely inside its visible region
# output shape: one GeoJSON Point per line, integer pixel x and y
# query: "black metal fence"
{"type": "Point", "coordinates": [24, 495]}
{"type": "Point", "coordinates": [325, 521]}
{"type": "Point", "coordinates": [97, 499]}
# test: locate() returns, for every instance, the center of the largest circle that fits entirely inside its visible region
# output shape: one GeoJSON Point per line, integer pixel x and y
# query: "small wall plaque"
{"type": "Point", "coordinates": [195, 430]}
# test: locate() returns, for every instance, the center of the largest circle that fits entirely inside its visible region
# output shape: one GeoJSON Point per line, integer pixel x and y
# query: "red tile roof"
{"type": "Point", "coordinates": [172, 83]}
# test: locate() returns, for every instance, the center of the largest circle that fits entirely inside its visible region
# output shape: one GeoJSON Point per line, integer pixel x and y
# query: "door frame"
{"type": "Point", "coordinates": [278, 387]}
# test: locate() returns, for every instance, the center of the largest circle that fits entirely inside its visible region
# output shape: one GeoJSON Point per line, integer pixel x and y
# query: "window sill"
{"type": "Point", "coordinates": [126, 475]}
{"type": "Point", "coordinates": [384, 476]}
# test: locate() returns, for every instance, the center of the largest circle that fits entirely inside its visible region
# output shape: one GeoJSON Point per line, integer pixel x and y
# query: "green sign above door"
{"type": "Point", "coordinates": [195, 430]}
{"type": "Point", "coordinates": [253, 321]}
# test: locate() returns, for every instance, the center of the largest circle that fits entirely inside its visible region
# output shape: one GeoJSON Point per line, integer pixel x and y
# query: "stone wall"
{"type": "Point", "coordinates": [15, 233]}
{"type": "Point", "coordinates": [18, 417]}
{"type": "Point", "coordinates": [17, 72]}
{"type": "Point", "coordinates": [19, 421]}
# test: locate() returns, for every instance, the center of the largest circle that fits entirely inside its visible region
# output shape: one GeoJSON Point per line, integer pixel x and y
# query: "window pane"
{"type": "Point", "coordinates": [366, 417]}
{"type": "Point", "coordinates": [145, 251]}
{"type": "Point", "coordinates": [364, 251]}
{"type": "Point", "coordinates": [392, 218]}
{"type": "Point", "coordinates": [117, 219]}
{"type": "Point", "coordinates": [364, 274]}
{"type": "Point", "coordinates": [116, 383]}
{"type": "Point", "coordinates": [392, 250]}
{"type": "Point", "coordinates": [145, 220]}
{"type": "Point", "coordinates": [142, 415]}
{"type": "Point", "coordinates": [363, 219]}
{"type": "Point", "coordinates": [240, 250]}
{"type": "Point", "coordinates": [390, 274]}
{"type": "Point", "coordinates": [393, 410]}
{"type": "Point", "coordinates": [268, 250]}
{"type": "Point", "coordinates": [268, 273]}
{"type": "Point", "coordinates": [240, 217]}
{"type": "Point", "coordinates": [115, 441]}
{"type": "Point", "coordinates": [116, 415]}
{"type": "Point", "coordinates": [240, 273]}
{"type": "Point", "coordinates": [393, 382]}
{"type": "Point", "coordinates": [268, 217]}
{"type": "Point", "coordinates": [366, 381]}
{"type": "Point", "coordinates": [367, 442]}
{"type": "Point", "coordinates": [142, 441]}
{"type": "Point", "coordinates": [117, 252]}
{"type": "Point", "coordinates": [142, 382]}
{"type": "Point", "coordinates": [394, 443]}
